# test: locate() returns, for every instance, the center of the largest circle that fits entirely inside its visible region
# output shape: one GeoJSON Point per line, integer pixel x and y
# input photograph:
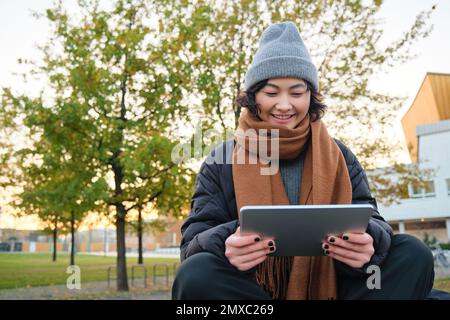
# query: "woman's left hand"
{"type": "Point", "coordinates": [353, 249]}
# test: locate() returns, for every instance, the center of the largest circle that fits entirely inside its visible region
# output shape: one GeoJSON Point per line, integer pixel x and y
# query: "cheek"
{"type": "Point", "coordinates": [302, 107]}
{"type": "Point", "coordinates": [264, 106]}
{"type": "Point", "coordinates": [303, 111]}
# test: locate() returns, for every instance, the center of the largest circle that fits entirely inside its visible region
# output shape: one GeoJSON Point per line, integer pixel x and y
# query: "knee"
{"type": "Point", "coordinates": [413, 252]}
{"type": "Point", "coordinates": [197, 268]}
{"type": "Point", "coordinates": [194, 276]}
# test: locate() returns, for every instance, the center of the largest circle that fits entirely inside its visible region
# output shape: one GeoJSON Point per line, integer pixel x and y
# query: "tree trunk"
{"type": "Point", "coordinates": [72, 232]}
{"type": "Point", "coordinates": [140, 259]}
{"type": "Point", "coordinates": [122, 277]}
{"type": "Point", "coordinates": [55, 238]}
{"type": "Point", "coordinates": [54, 243]}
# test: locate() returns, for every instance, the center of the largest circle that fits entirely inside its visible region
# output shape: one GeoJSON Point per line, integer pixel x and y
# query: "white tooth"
{"type": "Point", "coordinates": [282, 117]}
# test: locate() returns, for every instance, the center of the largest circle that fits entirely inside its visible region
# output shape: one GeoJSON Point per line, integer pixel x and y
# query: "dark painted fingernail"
{"type": "Point", "coordinates": [325, 246]}
{"type": "Point", "coordinates": [270, 243]}
{"type": "Point", "coordinates": [326, 252]}
{"type": "Point", "coordinates": [257, 239]}
{"type": "Point", "coordinates": [345, 237]}
{"type": "Point", "coordinates": [272, 248]}
{"type": "Point", "coordinates": [331, 239]}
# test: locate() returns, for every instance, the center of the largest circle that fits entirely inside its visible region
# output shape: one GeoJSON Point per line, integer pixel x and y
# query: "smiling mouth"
{"type": "Point", "coordinates": [282, 117]}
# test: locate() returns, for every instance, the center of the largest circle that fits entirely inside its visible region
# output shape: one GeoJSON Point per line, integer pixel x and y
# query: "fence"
{"type": "Point", "coordinates": [166, 267]}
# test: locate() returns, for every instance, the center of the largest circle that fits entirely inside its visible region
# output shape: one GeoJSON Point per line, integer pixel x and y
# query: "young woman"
{"type": "Point", "coordinates": [220, 263]}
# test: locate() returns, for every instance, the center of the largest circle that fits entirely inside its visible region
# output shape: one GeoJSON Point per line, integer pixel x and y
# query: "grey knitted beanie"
{"type": "Point", "coordinates": [281, 53]}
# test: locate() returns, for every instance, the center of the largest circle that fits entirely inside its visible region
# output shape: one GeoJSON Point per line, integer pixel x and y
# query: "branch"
{"type": "Point", "coordinates": [150, 199]}
{"type": "Point", "coordinates": [156, 174]}
{"type": "Point", "coordinates": [219, 112]}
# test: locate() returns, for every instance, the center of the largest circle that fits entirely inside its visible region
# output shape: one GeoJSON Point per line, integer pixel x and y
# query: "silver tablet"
{"type": "Point", "coordinates": [298, 230]}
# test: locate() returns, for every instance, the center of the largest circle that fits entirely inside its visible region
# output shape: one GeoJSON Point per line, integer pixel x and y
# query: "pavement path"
{"type": "Point", "coordinates": [90, 290]}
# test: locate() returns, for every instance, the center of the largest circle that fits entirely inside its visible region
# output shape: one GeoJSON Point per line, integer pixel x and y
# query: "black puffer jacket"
{"type": "Point", "coordinates": [213, 217]}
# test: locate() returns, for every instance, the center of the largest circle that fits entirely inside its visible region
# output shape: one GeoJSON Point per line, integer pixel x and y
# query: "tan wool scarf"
{"type": "Point", "coordinates": [325, 180]}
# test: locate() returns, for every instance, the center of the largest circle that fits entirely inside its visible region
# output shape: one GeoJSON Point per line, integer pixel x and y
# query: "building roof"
{"type": "Point", "coordinates": [431, 105]}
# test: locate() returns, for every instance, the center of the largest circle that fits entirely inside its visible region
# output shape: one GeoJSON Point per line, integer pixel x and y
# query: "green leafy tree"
{"type": "Point", "coordinates": [115, 100]}
{"type": "Point", "coordinates": [57, 186]}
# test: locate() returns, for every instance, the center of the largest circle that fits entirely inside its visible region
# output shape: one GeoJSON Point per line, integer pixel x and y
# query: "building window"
{"type": "Point", "coordinates": [448, 187]}
{"type": "Point", "coordinates": [395, 226]}
{"type": "Point", "coordinates": [428, 192]}
{"type": "Point", "coordinates": [429, 189]}
{"type": "Point", "coordinates": [416, 192]}
{"type": "Point", "coordinates": [425, 225]}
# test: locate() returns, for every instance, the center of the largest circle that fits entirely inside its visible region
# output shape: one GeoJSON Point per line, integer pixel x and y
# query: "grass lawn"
{"type": "Point", "coordinates": [18, 270]}
{"type": "Point", "coordinates": [442, 284]}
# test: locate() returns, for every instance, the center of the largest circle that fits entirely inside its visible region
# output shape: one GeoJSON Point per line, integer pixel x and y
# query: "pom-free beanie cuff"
{"type": "Point", "coordinates": [282, 67]}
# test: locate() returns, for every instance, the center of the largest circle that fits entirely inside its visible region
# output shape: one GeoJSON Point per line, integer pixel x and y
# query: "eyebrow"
{"type": "Point", "coordinates": [298, 85]}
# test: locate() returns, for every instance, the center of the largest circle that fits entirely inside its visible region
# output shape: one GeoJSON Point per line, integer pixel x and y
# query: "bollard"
{"type": "Point", "coordinates": [166, 267]}
{"type": "Point", "coordinates": [109, 274]}
{"type": "Point", "coordinates": [175, 266]}
{"type": "Point", "coordinates": [145, 273]}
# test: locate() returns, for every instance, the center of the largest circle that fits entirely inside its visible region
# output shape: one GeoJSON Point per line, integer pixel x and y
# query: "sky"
{"type": "Point", "coordinates": [20, 32]}
{"type": "Point", "coordinates": [433, 52]}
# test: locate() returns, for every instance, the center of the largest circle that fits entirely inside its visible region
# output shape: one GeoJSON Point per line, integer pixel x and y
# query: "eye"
{"type": "Point", "coordinates": [271, 94]}
{"type": "Point", "coordinates": [297, 94]}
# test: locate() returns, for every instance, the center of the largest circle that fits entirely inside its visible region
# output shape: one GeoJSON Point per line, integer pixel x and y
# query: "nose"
{"type": "Point", "coordinates": [283, 105]}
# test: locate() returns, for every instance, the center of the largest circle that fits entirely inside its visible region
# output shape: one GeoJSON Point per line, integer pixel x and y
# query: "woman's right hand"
{"type": "Point", "coordinates": [247, 251]}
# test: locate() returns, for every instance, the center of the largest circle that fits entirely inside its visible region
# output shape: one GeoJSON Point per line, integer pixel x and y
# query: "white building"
{"type": "Point", "coordinates": [427, 210]}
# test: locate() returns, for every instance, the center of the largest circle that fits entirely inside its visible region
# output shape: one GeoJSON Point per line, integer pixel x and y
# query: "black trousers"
{"type": "Point", "coordinates": [406, 273]}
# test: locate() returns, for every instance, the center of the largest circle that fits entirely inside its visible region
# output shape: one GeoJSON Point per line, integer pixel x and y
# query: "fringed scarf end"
{"type": "Point", "coordinates": [273, 276]}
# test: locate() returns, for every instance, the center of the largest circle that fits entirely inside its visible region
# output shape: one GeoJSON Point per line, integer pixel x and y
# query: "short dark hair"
{"type": "Point", "coordinates": [247, 99]}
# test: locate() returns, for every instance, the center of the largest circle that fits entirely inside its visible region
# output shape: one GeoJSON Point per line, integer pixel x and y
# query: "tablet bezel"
{"type": "Point", "coordinates": [299, 235]}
